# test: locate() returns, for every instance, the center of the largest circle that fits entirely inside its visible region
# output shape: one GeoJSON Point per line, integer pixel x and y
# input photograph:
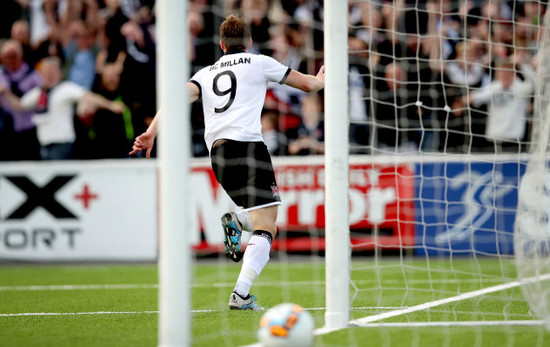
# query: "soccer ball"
{"type": "Point", "coordinates": [286, 325]}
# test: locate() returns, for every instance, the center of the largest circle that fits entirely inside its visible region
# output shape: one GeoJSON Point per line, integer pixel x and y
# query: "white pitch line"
{"type": "Point", "coordinates": [455, 324]}
{"type": "Point", "coordinates": [26, 314]}
{"type": "Point", "coordinates": [217, 285]}
{"type": "Point", "coordinates": [367, 321]}
{"type": "Point", "coordinates": [79, 287]}
{"type": "Point", "coordinates": [359, 308]}
{"type": "Point", "coordinates": [465, 296]}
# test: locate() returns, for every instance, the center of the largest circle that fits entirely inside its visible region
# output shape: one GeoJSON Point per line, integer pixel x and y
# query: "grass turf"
{"type": "Point", "coordinates": [99, 305]}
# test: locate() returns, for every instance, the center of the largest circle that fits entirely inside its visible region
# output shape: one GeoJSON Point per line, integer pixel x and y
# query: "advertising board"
{"type": "Point", "coordinates": [467, 208]}
{"type": "Point", "coordinates": [78, 211]}
{"type": "Point", "coordinates": [108, 210]}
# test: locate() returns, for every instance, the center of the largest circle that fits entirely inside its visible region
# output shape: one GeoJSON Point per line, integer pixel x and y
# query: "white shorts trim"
{"type": "Point", "coordinates": [262, 206]}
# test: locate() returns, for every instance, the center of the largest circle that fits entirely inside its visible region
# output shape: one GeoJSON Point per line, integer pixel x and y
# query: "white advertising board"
{"type": "Point", "coordinates": [78, 211]}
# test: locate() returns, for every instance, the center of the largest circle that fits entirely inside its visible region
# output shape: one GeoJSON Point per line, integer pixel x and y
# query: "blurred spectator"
{"type": "Point", "coordinates": [460, 76]}
{"type": "Point", "coordinates": [309, 14]}
{"type": "Point", "coordinates": [41, 15]}
{"type": "Point", "coordinates": [19, 77]}
{"type": "Point", "coordinates": [309, 136]}
{"type": "Point", "coordinates": [12, 10]}
{"type": "Point", "coordinates": [465, 70]}
{"type": "Point", "coordinates": [508, 98]}
{"type": "Point", "coordinates": [20, 32]}
{"type": "Point", "coordinates": [390, 46]}
{"type": "Point", "coordinates": [114, 43]}
{"type": "Point", "coordinates": [424, 88]}
{"type": "Point", "coordinates": [80, 56]}
{"type": "Point", "coordinates": [393, 106]}
{"type": "Point", "coordinates": [46, 34]}
{"type": "Point", "coordinates": [137, 10]}
{"type": "Point", "coordinates": [255, 13]}
{"type": "Point", "coordinates": [138, 76]}
{"type": "Point", "coordinates": [371, 26]}
{"type": "Point", "coordinates": [359, 91]}
{"type": "Point", "coordinates": [273, 139]}
{"type": "Point", "coordinates": [53, 107]}
{"type": "Point", "coordinates": [202, 20]}
{"type": "Point", "coordinates": [287, 48]}
{"type": "Point", "coordinates": [454, 124]}
{"type": "Point", "coordinates": [86, 11]}
{"type": "Point", "coordinates": [111, 133]}
{"type": "Point", "coordinates": [290, 6]}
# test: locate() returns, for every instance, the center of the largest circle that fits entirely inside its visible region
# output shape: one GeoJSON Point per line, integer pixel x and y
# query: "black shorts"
{"type": "Point", "coordinates": [245, 172]}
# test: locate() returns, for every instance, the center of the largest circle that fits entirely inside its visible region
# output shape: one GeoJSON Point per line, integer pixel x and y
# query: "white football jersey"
{"type": "Point", "coordinates": [233, 95]}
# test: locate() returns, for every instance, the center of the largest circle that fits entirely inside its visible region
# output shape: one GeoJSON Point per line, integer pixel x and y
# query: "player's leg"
{"type": "Point", "coordinates": [238, 228]}
{"type": "Point", "coordinates": [265, 219]}
{"type": "Point", "coordinates": [262, 200]}
{"type": "Point", "coordinates": [257, 251]}
{"type": "Point", "coordinates": [256, 254]}
{"type": "Point", "coordinates": [254, 190]}
{"type": "Point", "coordinates": [227, 163]}
{"type": "Point", "coordinates": [244, 219]}
{"type": "Point", "coordinates": [232, 229]}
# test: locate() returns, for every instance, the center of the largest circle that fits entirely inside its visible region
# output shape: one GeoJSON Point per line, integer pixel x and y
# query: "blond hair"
{"type": "Point", "coordinates": [234, 32]}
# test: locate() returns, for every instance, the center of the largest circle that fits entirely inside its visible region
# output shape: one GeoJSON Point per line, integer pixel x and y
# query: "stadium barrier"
{"type": "Point", "coordinates": [108, 210]}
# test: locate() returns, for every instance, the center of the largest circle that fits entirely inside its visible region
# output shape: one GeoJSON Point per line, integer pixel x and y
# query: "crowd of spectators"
{"type": "Point", "coordinates": [447, 76]}
{"type": "Point", "coordinates": [450, 76]}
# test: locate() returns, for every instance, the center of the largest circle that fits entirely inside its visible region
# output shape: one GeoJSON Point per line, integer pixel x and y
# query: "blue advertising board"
{"type": "Point", "coordinates": [466, 208]}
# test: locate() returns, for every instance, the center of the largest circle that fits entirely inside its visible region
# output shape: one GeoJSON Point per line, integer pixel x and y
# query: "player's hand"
{"type": "Point", "coordinates": [321, 74]}
{"type": "Point", "coordinates": [144, 141]}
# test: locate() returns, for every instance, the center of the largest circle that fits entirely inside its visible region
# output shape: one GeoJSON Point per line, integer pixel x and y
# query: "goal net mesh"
{"type": "Point", "coordinates": [532, 233]}
{"type": "Point", "coordinates": [447, 92]}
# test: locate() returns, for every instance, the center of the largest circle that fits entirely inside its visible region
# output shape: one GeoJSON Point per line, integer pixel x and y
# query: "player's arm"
{"type": "Point", "coordinates": [146, 140]}
{"type": "Point", "coordinates": [307, 83]}
{"type": "Point", "coordinates": [193, 91]}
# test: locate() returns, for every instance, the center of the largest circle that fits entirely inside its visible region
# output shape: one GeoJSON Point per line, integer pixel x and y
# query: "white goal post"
{"type": "Point", "coordinates": [337, 239]}
{"type": "Point", "coordinates": [174, 167]}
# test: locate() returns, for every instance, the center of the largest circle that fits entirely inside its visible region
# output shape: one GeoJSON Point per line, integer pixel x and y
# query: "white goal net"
{"type": "Point", "coordinates": [446, 92]}
{"type": "Point", "coordinates": [532, 233]}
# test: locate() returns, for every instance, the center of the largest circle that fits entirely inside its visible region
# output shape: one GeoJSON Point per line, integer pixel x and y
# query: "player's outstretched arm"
{"type": "Point", "coordinates": [307, 83]}
{"type": "Point", "coordinates": [146, 140]}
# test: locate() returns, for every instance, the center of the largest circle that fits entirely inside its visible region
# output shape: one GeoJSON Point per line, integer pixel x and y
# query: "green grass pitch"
{"type": "Point", "coordinates": [116, 305]}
